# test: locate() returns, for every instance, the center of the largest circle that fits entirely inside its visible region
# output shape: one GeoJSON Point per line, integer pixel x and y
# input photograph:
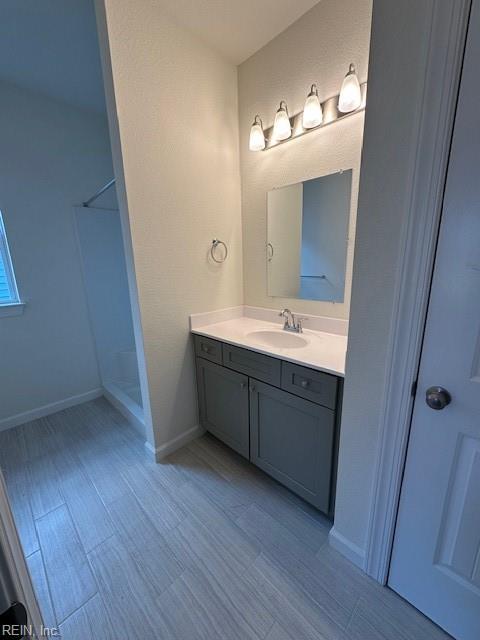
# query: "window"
{"type": "Point", "coordinates": [8, 286]}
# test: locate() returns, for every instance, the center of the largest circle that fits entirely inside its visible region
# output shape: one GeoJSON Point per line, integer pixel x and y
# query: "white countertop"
{"type": "Point", "coordinates": [323, 351]}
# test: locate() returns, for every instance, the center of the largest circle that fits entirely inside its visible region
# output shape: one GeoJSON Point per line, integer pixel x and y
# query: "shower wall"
{"type": "Point", "coordinates": [105, 275]}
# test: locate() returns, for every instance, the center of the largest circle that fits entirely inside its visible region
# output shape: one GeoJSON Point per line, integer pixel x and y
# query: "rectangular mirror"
{"type": "Point", "coordinates": [307, 238]}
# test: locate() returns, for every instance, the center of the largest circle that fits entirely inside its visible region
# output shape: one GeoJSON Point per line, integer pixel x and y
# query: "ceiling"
{"type": "Point", "coordinates": [51, 46]}
{"type": "Point", "coordinates": [236, 28]}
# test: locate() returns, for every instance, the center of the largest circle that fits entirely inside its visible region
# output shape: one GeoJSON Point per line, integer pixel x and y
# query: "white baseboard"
{"type": "Point", "coordinates": [347, 548]}
{"type": "Point", "coordinates": [47, 409]}
{"type": "Point", "coordinates": [124, 405]}
{"type": "Point", "coordinates": [176, 443]}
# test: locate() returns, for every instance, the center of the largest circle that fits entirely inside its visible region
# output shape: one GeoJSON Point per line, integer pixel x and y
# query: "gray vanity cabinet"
{"type": "Point", "coordinates": [292, 440]}
{"type": "Point", "coordinates": [223, 404]}
{"type": "Point", "coordinates": [281, 416]}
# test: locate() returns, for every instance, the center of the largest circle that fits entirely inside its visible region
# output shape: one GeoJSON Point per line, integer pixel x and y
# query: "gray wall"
{"type": "Point", "coordinates": [52, 156]}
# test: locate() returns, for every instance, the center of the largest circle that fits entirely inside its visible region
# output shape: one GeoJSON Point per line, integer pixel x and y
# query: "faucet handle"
{"type": "Point", "coordinates": [300, 322]}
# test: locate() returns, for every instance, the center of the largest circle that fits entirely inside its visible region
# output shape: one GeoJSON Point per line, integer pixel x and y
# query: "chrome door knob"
{"type": "Point", "coordinates": [437, 398]}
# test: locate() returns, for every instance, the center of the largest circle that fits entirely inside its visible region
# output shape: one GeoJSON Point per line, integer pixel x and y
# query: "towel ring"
{"type": "Point", "coordinates": [269, 253]}
{"type": "Point", "coordinates": [215, 243]}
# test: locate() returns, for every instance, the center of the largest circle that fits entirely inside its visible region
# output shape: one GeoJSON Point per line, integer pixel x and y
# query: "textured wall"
{"type": "Point", "coordinates": [177, 110]}
{"type": "Point", "coordinates": [398, 60]}
{"type": "Point", "coordinates": [317, 48]}
{"type": "Point", "coordinates": [52, 157]}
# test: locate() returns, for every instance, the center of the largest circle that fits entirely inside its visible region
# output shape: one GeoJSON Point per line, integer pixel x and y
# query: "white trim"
{"type": "Point", "coordinates": [122, 199]}
{"type": "Point", "coordinates": [47, 409]}
{"type": "Point", "coordinates": [347, 548]}
{"type": "Point", "coordinates": [417, 251]}
{"type": "Point", "coordinates": [10, 309]}
{"type": "Point", "coordinates": [150, 448]}
{"type": "Point", "coordinates": [126, 406]}
{"type": "Point", "coordinates": [176, 443]}
{"type": "Point", "coordinates": [8, 264]}
{"type": "Point", "coordinates": [17, 568]}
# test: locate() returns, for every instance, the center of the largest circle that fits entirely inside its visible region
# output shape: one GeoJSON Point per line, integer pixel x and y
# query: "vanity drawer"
{"type": "Point", "coordinates": [252, 364]}
{"type": "Point", "coordinates": [312, 385]}
{"type": "Point", "coordinates": [208, 349]}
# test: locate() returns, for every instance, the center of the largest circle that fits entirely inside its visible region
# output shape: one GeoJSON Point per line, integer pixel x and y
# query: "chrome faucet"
{"type": "Point", "coordinates": [291, 324]}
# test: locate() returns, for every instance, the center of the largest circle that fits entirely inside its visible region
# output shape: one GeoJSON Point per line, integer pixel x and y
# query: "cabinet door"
{"type": "Point", "coordinates": [292, 440]}
{"type": "Point", "coordinates": [223, 404]}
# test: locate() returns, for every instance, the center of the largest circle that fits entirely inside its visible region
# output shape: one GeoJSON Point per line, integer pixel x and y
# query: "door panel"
{"type": "Point", "coordinates": [459, 538]}
{"type": "Point", "coordinates": [436, 553]}
{"type": "Point", "coordinates": [292, 440]}
{"type": "Point", "coordinates": [223, 401]}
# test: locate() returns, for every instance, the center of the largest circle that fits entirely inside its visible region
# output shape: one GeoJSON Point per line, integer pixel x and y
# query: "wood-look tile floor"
{"type": "Point", "coordinates": [202, 546]}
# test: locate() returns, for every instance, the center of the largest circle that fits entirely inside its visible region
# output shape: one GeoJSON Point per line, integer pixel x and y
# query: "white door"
{"type": "Point", "coordinates": [19, 612]}
{"type": "Point", "coordinates": [436, 555]}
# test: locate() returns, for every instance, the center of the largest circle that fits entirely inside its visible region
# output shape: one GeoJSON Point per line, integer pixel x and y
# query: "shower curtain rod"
{"type": "Point", "coordinates": [99, 192]}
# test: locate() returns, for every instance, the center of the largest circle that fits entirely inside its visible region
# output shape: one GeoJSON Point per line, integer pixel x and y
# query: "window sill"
{"type": "Point", "coordinates": [11, 309]}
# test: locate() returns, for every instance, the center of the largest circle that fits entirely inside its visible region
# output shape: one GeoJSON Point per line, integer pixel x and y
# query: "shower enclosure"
{"type": "Point", "coordinates": [105, 274]}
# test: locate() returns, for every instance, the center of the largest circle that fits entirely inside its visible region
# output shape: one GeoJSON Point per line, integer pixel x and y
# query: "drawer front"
{"type": "Point", "coordinates": [315, 386]}
{"type": "Point", "coordinates": [208, 349]}
{"type": "Point", "coordinates": [252, 364]}
{"type": "Point", "coordinates": [292, 440]}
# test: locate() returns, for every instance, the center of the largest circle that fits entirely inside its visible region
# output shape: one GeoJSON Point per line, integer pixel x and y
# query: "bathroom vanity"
{"type": "Point", "coordinates": [266, 395]}
{"type": "Point", "coordinates": [273, 393]}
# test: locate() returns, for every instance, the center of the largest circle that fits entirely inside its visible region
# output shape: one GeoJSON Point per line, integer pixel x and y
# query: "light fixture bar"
{"type": "Point", "coordinates": [331, 114]}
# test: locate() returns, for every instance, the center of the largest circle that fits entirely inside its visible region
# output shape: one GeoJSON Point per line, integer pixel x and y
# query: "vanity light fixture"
{"type": "Point", "coordinates": [257, 136]}
{"type": "Point", "coordinates": [312, 111]}
{"type": "Point", "coordinates": [350, 94]}
{"type": "Point", "coordinates": [315, 114]}
{"type": "Point", "coordinates": [282, 128]}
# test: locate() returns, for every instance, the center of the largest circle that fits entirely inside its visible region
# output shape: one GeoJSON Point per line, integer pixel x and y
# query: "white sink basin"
{"type": "Point", "coordinates": [279, 339]}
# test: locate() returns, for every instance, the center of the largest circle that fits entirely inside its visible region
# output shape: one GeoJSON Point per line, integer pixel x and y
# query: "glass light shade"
{"type": "Point", "coordinates": [257, 137]}
{"type": "Point", "coordinates": [312, 111]}
{"type": "Point", "coordinates": [282, 129]}
{"type": "Point", "coordinates": [350, 93]}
